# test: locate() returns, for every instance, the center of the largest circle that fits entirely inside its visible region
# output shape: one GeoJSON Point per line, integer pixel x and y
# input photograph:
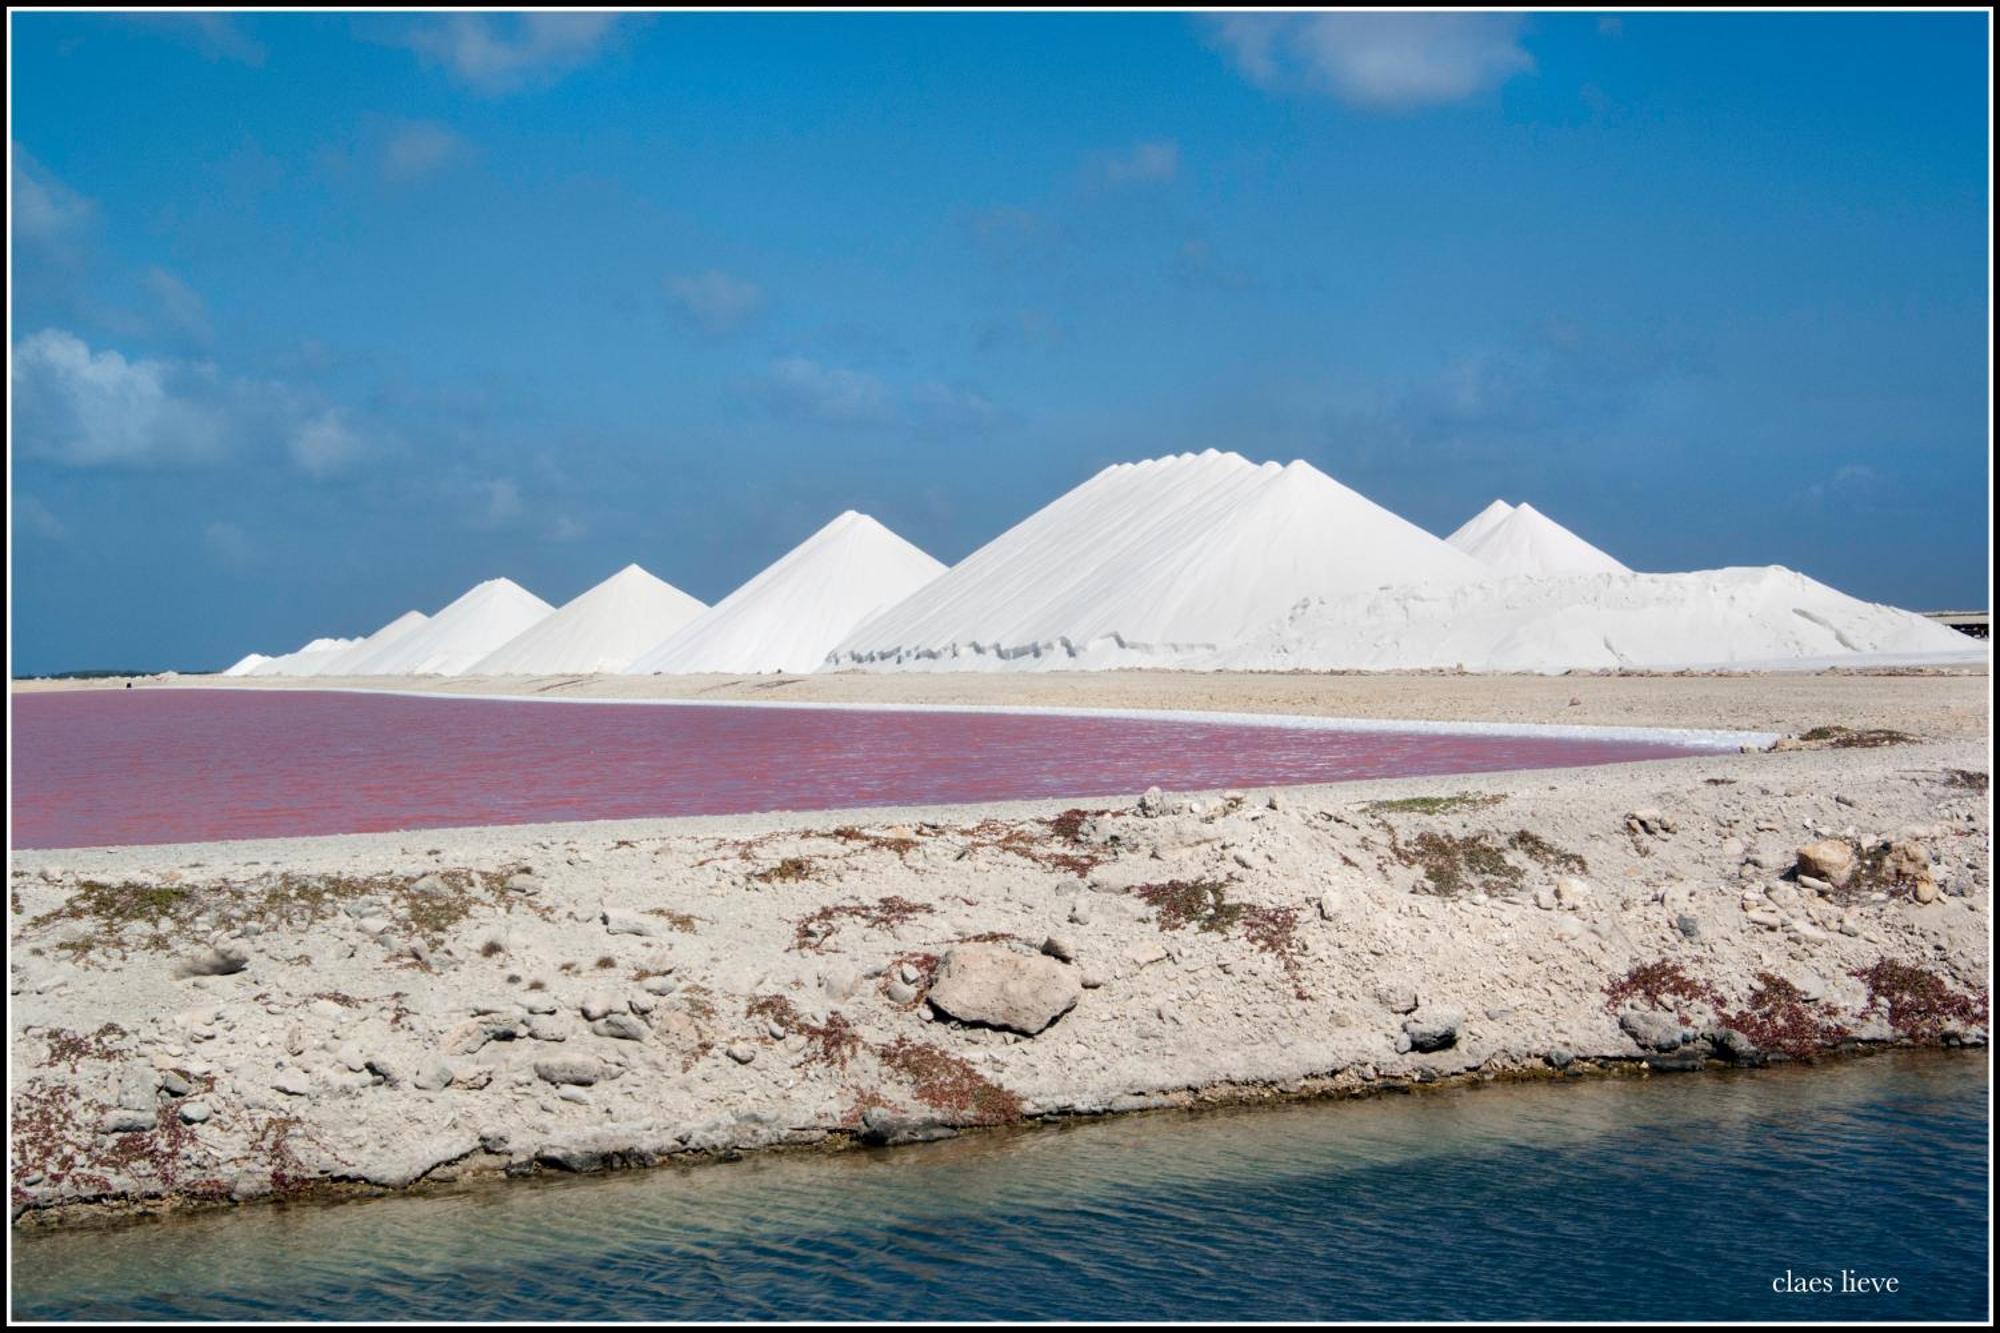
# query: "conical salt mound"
{"type": "Point", "coordinates": [342, 662]}
{"type": "Point", "coordinates": [599, 630]}
{"type": "Point", "coordinates": [789, 617]}
{"type": "Point", "coordinates": [1528, 541]}
{"type": "Point", "coordinates": [304, 662]}
{"type": "Point", "coordinates": [456, 637]}
{"type": "Point", "coordinates": [1147, 561]}
{"type": "Point", "coordinates": [1480, 524]}
{"type": "Point", "coordinates": [1767, 618]}
{"type": "Point", "coordinates": [249, 662]}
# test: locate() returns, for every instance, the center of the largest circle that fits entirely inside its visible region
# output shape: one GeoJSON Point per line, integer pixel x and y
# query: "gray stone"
{"type": "Point", "coordinates": [1652, 1031]}
{"type": "Point", "coordinates": [991, 985]}
{"type": "Point", "coordinates": [194, 1113]}
{"type": "Point", "coordinates": [580, 1071]}
{"type": "Point", "coordinates": [434, 1075]}
{"type": "Point", "coordinates": [125, 1120]}
{"type": "Point", "coordinates": [1434, 1027]}
{"type": "Point", "coordinates": [1688, 926]}
{"type": "Point", "coordinates": [742, 1052]}
{"type": "Point", "coordinates": [621, 1027]}
{"type": "Point", "coordinates": [618, 921]}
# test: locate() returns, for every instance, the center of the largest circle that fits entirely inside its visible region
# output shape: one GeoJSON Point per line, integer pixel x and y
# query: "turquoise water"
{"type": "Point", "coordinates": [1669, 1198]}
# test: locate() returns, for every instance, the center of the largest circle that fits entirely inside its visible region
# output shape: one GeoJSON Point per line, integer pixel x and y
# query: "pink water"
{"type": "Point", "coordinates": [113, 767]}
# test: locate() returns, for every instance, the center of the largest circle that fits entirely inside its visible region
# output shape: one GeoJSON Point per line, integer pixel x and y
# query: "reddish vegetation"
{"type": "Point", "coordinates": [946, 1083]}
{"type": "Point", "coordinates": [1920, 1003]}
{"type": "Point", "coordinates": [830, 1044]}
{"type": "Point", "coordinates": [1664, 986]}
{"type": "Point", "coordinates": [815, 929]}
{"type": "Point", "coordinates": [1777, 1017]}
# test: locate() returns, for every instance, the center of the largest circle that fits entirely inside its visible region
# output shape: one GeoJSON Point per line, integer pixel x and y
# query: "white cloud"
{"type": "Point", "coordinates": [499, 501]}
{"type": "Point", "coordinates": [85, 408]}
{"type": "Point", "coordinates": [229, 544]}
{"type": "Point", "coordinates": [947, 409]}
{"type": "Point", "coordinates": [216, 36]}
{"type": "Point", "coordinates": [47, 213]}
{"type": "Point", "coordinates": [801, 387]}
{"type": "Point", "coordinates": [1391, 62]}
{"type": "Point", "coordinates": [33, 517]}
{"type": "Point", "coordinates": [494, 53]}
{"type": "Point", "coordinates": [1146, 163]}
{"type": "Point", "coordinates": [181, 307]}
{"type": "Point", "coordinates": [715, 301]}
{"type": "Point", "coordinates": [416, 149]}
{"type": "Point", "coordinates": [324, 445]}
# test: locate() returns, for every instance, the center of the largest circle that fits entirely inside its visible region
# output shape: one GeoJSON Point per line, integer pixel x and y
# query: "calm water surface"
{"type": "Point", "coordinates": [118, 767]}
{"type": "Point", "coordinates": [1668, 1198]}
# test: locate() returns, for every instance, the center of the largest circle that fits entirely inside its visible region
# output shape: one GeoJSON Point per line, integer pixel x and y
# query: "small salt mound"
{"type": "Point", "coordinates": [302, 662]}
{"type": "Point", "coordinates": [1148, 561]}
{"type": "Point", "coordinates": [1763, 617]}
{"type": "Point", "coordinates": [790, 616]}
{"type": "Point", "coordinates": [341, 663]}
{"type": "Point", "coordinates": [1527, 541]}
{"type": "Point", "coordinates": [456, 637]}
{"type": "Point", "coordinates": [247, 664]}
{"type": "Point", "coordinates": [599, 630]}
{"type": "Point", "coordinates": [1479, 524]}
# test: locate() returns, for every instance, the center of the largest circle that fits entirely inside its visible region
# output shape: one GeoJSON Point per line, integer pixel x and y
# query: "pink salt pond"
{"type": "Point", "coordinates": [116, 767]}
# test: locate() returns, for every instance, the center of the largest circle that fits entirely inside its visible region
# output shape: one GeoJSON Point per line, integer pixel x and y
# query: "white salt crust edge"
{"type": "Point", "coordinates": [1690, 738]}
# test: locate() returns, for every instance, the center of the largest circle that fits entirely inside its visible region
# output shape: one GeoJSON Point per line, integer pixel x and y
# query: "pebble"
{"type": "Point", "coordinates": [742, 1052]}
{"type": "Point", "coordinates": [194, 1113]}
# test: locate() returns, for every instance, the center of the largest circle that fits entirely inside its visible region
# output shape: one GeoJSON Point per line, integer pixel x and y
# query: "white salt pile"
{"type": "Point", "coordinates": [598, 630]}
{"type": "Point", "coordinates": [302, 662]}
{"type": "Point", "coordinates": [456, 637]}
{"type": "Point", "coordinates": [1747, 617]}
{"type": "Point", "coordinates": [1523, 540]}
{"type": "Point", "coordinates": [1479, 524]}
{"type": "Point", "coordinates": [248, 663]}
{"type": "Point", "coordinates": [342, 662]}
{"type": "Point", "coordinates": [1149, 561]}
{"type": "Point", "coordinates": [790, 616]}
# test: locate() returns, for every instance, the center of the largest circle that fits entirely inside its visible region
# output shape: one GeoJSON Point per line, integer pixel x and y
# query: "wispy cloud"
{"type": "Point", "coordinates": [1387, 62]}
{"type": "Point", "coordinates": [1153, 162]}
{"type": "Point", "coordinates": [181, 308]}
{"type": "Point", "coordinates": [799, 386]}
{"type": "Point", "coordinates": [325, 444]}
{"type": "Point", "coordinates": [33, 517]}
{"type": "Point", "coordinates": [716, 302]}
{"type": "Point", "coordinates": [503, 53]}
{"type": "Point", "coordinates": [228, 544]}
{"type": "Point", "coordinates": [216, 36]}
{"type": "Point", "coordinates": [414, 150]}
{"type": "Point", "coordinates": [48, 214]}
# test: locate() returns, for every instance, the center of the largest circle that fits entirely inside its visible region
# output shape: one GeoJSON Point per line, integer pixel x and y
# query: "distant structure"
{"type": "Point", "coordinates": [1973, 624]}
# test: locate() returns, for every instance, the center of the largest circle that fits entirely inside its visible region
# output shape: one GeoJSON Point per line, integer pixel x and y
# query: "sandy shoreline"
{"type": "Point", "coordinates": [1932, 702]}
{"type": "Point", "coordinates": [255, 1019]}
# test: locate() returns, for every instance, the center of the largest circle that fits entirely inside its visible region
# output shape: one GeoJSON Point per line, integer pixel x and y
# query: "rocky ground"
{"type": "Point", "coordinates": [236, 1021]}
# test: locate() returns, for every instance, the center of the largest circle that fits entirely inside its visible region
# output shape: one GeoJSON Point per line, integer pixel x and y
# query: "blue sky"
{"type": "Point", "coordinates": [317, 318]}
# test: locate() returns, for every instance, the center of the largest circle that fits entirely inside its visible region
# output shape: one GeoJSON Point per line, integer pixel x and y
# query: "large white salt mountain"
{"type": "Point", "coordinates": [246, 664]}
{"type": "Point", "coordinates": [790, 616]}
{"type": "Point", "coordinates": [602, 629]}
{"type": "Point", "coordinates": [1526, 541]}
{"type": "Point", "coordinates": [342, 662]}
{"type": "Point", "coordinates": [478, 622]}
{"type": "Point", "coordinates": [1479, 524]}
{"type": "Point", "coordinates": [1767, 618]}
{"type": "Point", "coordinates": [304, 661]}
{"type": "Point", "coordinates": [1146, 562]}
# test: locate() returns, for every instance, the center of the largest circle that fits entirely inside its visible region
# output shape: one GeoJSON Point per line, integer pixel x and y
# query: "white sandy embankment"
{"type": "Point", "coordinates": [235, 1021]}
